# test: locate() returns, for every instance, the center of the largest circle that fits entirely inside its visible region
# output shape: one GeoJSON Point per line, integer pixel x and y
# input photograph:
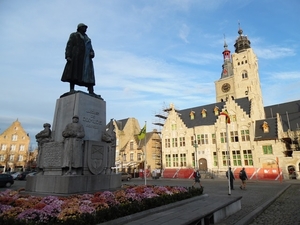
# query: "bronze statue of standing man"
{"type": "Point", "coordinates": [79, 68]}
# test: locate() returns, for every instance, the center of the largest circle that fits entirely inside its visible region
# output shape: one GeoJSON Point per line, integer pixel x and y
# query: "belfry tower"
{"type": "Point", "coordinates": [240, 77]}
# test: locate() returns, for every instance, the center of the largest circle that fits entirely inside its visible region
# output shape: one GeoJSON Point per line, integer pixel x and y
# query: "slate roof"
{"type": "Point", "coordinates": [121, 123]}
{"type": "Point", "coordinates": [259, 132]}
{"type": "Point", "coordinates": [289, 113]}
{"type": "Point", "coordinates": [210, 118]}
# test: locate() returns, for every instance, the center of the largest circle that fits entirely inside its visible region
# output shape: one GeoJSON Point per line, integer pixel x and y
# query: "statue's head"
{"type": "Point", "coordinates": [81, 25]}
{"type": "Point", "coordinates": [75, 119]}
{"type": "Point", "coordinates": [46, 125]}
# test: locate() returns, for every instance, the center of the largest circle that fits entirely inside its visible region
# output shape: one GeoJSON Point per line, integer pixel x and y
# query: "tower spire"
{"type": "Point", "coordinates": [227, 66]}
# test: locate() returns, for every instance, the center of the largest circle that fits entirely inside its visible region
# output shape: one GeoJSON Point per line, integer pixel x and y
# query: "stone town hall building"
{"type": "Point", "coordinates": [264, 140]}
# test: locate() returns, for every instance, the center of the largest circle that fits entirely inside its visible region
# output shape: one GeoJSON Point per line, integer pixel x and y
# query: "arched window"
{"type": "Point", "coordinates": [244, 75]}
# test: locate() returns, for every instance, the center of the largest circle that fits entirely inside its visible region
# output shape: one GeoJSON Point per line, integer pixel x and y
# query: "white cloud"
{"type": "Point", "coordinates": [293, 75]}
{"type": "Point", "coordinates": [184, 33]}
{"type": "Point", "coordinates": [274, 52]}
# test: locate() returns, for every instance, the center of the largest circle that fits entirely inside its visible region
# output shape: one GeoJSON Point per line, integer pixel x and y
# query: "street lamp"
{"type": "Point", "coordinates": [123, 158]}
{"type": "Point", "coordinates": [195, 145]}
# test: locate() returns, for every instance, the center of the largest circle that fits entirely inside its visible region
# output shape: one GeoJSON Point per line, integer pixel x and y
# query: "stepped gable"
{"type": "Point", "coordinates": [210, 118]}
{"type": "Point", "coordinates": [289, 113]}
{"type": "Point", "coordinates": [245, 104]}
{"type": "Point", "coordinates": [259, 131]}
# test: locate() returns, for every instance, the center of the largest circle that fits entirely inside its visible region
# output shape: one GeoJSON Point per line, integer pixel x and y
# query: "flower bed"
{"type": "Point", "coordinates": [16, 209]}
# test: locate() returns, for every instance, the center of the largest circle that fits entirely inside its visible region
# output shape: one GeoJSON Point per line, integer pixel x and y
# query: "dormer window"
{"type": "Point", "coordinates": [192, 115]}
{"type": "Point", "coordinates": [265, 127]}
{"type": "Point", "coordinates": [216, 110]}
{"type": "Point", "coordinates": [203, 113]}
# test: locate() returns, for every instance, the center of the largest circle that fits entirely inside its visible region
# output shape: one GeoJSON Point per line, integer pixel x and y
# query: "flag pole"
{"type": "Point", "coordinates": [228, 156]}
{"type": "Point", "coordinates": [145, 158]}
{"type": "Point", "coordinates": [227, 120]}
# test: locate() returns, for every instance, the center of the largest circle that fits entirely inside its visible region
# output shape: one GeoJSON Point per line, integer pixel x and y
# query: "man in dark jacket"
{"type": "Point", "coordinates": [197, 177]}
{"type": "Point", "coordinates": [243, 176]}
{"type": "Point", "coordinates": [79, 69]}
{"type": "Point", "coordinates": [231, 178]}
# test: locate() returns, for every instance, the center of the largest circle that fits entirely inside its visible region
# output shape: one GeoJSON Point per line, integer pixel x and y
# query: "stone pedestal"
{"type": "Point", "coordinates": [90, 110]}
{"type": "Point", "coordinates": [73, 184]}
{"type": "Point", "coordinates": [98, 155]}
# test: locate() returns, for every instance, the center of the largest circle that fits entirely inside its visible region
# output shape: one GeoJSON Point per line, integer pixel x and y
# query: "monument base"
{"type": "Point", "coordinates": [73, 184]}
{"type": "Point", "coordinates": [90, 156]}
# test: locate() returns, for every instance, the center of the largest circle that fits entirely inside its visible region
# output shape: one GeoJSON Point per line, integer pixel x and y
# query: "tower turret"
{"type": "Point", "coordinates": [242, 43]}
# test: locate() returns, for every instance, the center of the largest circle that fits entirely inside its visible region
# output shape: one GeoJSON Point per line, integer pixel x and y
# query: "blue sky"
{"type": "Point", "coordinates": [148, 53]}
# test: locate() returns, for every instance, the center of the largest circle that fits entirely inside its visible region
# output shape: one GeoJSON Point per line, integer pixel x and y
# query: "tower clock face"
{"type": "Point", "coordinates": [225, 87]}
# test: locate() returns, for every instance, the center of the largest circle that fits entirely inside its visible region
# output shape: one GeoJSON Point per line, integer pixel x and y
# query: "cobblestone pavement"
{"type": "Point", "coordinates": [257, 197]}
{"type": "Point", "coordinates": [253, 198]}
{"type": "Point", "coordinates": [285, 210]}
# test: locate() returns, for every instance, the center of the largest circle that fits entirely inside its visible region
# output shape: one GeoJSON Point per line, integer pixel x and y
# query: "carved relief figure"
{"type": "Point", "coordinates": [73, 147]}
{"type": "Point", "coordinates": [42, 137]}
{"type": "Point", "coordinates": [109, 136]}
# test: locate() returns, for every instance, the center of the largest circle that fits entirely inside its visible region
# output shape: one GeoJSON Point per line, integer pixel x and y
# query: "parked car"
{"type": "Point", "coordinates": [22, 175]}
{"type": "Point", "coordinates": [31, 174]}
{"type": "Point", "coordinates": [126, 176]}
{"type": "Point", "coordinates": [14, 174]}
{"type": "Point", "coordinates": [6, 180]}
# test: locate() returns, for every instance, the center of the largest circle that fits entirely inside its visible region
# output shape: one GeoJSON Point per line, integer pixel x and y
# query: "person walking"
{"type": "Point", "coordinates": [231, 178]}
{"type": "Point", "coordinates": [197, 177]}
{"type": "Point", "coordinates": [243, 176]}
